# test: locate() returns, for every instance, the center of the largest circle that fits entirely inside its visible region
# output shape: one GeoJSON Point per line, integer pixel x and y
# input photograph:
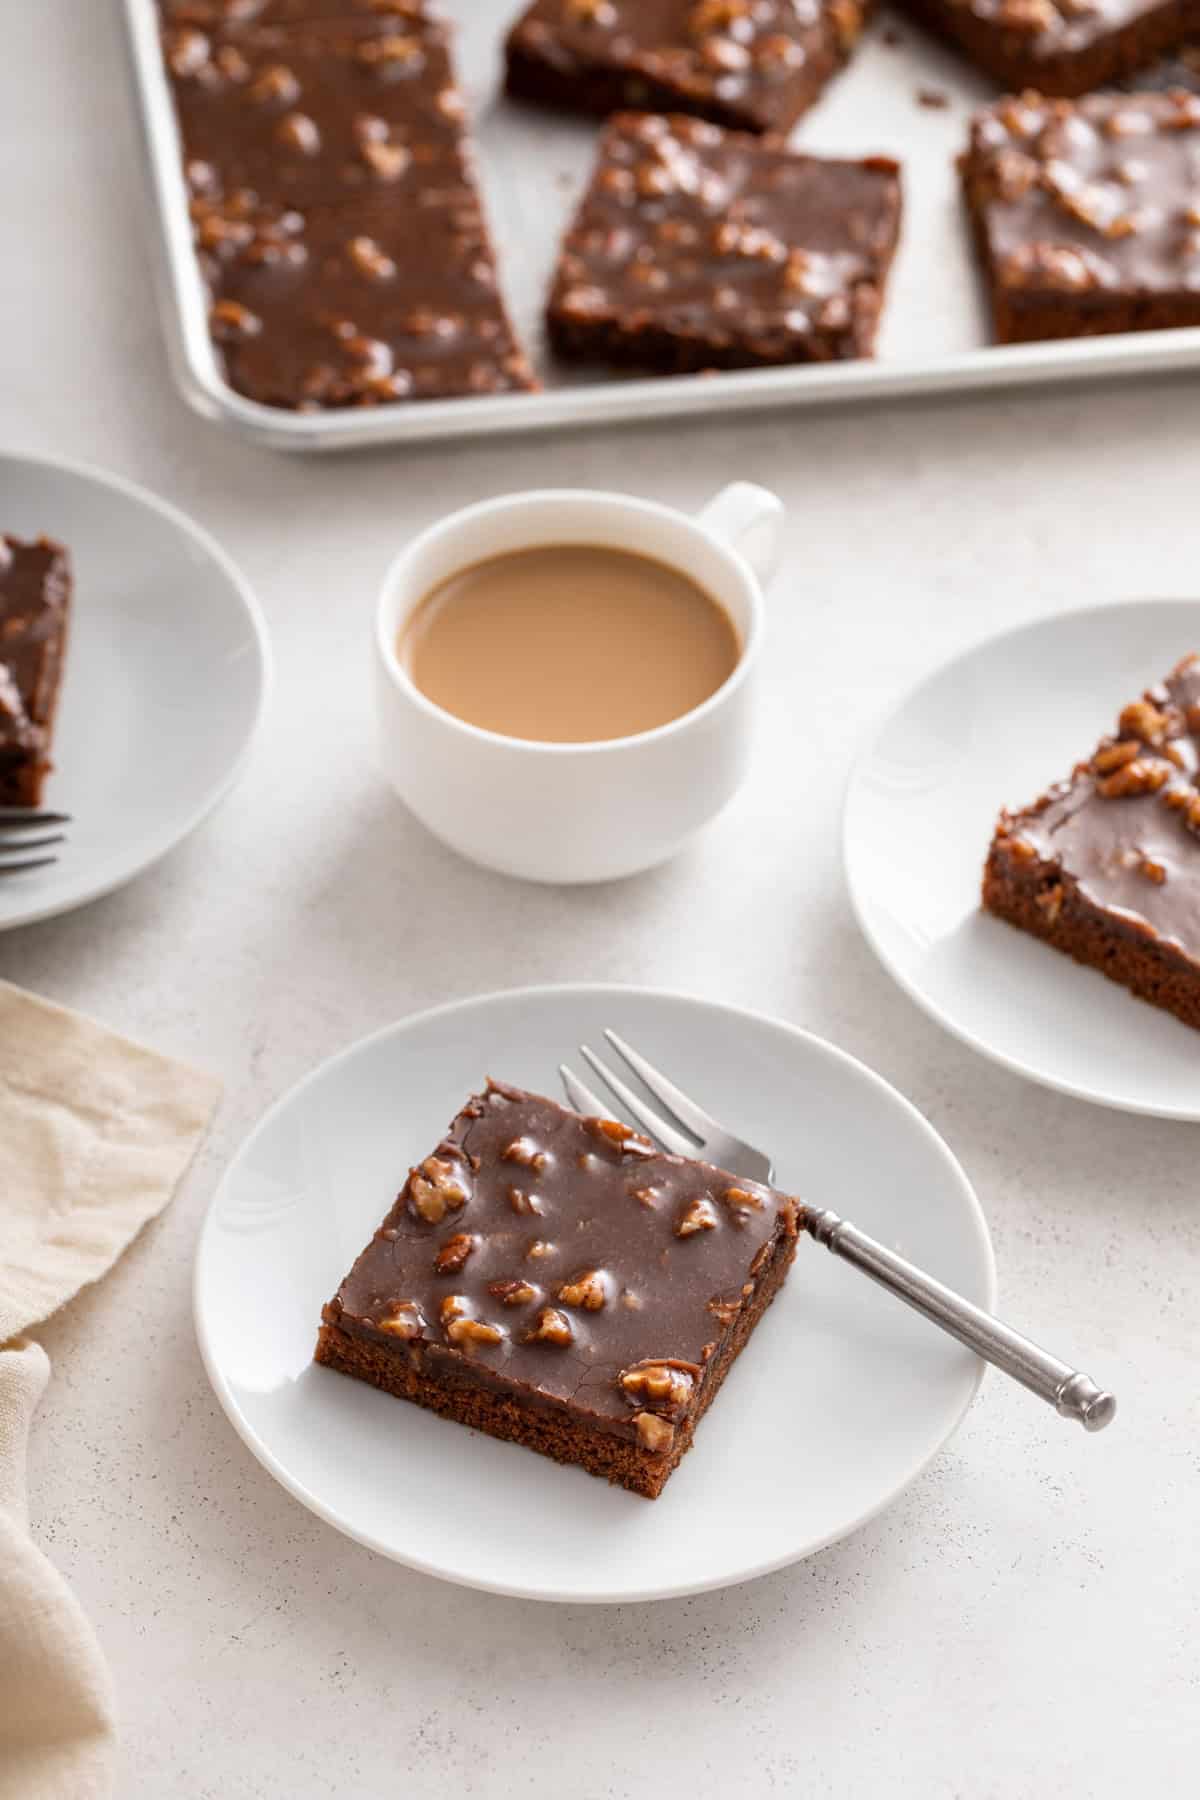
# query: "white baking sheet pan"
{"type": "Point", "coordinates": [533, 167]}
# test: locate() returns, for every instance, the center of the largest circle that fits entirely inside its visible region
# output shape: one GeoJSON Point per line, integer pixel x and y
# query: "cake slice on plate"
{"type": "Point", "coordinates": [558, 1282]}
{"type": "Point", "coordinates": [1106, 865]}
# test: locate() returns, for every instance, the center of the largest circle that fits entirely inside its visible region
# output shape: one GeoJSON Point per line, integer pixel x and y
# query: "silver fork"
{"type": "Point", "coordinates": [25, 830]}
{"type": "Point", "coordinates": [1068, 1390]}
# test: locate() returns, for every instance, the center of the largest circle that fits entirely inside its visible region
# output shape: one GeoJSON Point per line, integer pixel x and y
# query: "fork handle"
{"type": "Point", "coordinates": [1067, 1390]}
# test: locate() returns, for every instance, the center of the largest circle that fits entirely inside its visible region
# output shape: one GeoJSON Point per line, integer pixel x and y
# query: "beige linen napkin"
{"type": "Point", "coordinates": [95, 1134]}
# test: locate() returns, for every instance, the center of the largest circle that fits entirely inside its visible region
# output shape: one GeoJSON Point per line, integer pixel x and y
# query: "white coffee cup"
{"type": "Point", "coordinates": [592, 811]}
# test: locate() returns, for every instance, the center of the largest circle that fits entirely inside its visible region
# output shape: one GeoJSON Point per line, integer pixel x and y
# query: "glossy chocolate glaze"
{"type": "Point", "coordinates": [281, 109]}
{"type": "Point", "coordinates": [1136, 856]}
{"type": "Point", "coordinates": [715, 236]}
{"type": "Point", "coordinates": [754, 62]}
{"type": "Point", "coordinates": [587, 1252]}
{"type": "Point", "coordinates": [1099, 196]}
{"type": "Point", "coordinates": [344, 315]}
{"type": "Point", "coordinates": [34, 596]}
{"type": "Point", "coordinates": [319, 156]}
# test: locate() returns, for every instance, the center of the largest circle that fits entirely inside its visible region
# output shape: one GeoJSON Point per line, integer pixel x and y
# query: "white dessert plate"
{"type": "Point", "coordinates": [995, 727]}
{"type": "Point", "coordinates": [166, 677]}
{"type": "Point", "coordinates": [840, 1399]}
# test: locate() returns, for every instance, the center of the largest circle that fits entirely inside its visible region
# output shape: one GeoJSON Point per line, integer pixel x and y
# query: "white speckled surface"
{"type": "Point", "coordinates": [1024, 1622]}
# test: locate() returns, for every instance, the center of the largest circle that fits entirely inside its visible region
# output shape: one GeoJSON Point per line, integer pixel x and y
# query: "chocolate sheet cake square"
{"type": "Point", "coordinates": [1087, 215]}
{"type": "Point", "coordinates": [697, 248]}
{"type": "Point", "coordinates": [556, 1281]}
{"type": "Point", "coordinates": [1060, 46]}
{"type": "Point", "coordinates": [755, 65]}
{"type": "Point", "coordinates": [1106, 865]}
{"type": "Point", "coordinates": [336, 213]}
{"type": "Point", "coordinates": [35, 599]}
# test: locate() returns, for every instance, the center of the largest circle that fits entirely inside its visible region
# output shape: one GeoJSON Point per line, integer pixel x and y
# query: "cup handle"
{"type": "Point", "coordinates": [750, 520]}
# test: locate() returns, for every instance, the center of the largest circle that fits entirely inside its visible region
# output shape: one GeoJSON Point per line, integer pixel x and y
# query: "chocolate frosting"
{"type": "Point", "coordinates": [1096, 196]}
{"type": "Point", "coordinates": [583, 1251]}
{"type": "Point", "coordinates": [336, 213]}
{"type": "Point", "coordinates": [698, 230]}
{"type": "Point", "coordinates": [1135, 854]}
{"type": "Point", "coordinates": [280, 109]}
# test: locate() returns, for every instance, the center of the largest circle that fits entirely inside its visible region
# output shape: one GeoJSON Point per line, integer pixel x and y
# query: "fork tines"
{"type": "Point", "coordinates": [685, 1130]}
{"type": "Point", "coordinates": [634, 1106]}
{"type": "Point", "coordinates": [24, 829]}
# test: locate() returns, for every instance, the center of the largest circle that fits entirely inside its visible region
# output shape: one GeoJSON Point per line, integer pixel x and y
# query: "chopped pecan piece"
{"type": "Point", "coordinates": [1058, 266]}
{"type": "Point", "coordinates": [1012, 173]}
{"type": "Point", "coordinates": [453, 1254]}
{"type": "Point", "coordinates": [512, 1293]}
{"type": "Point", "coordinates": [369, 259]}
{"type": "Point", "coordinates": [392, 54]}
{"type": "Point", "coordinates": [461, 1328]}
{"type": "Point", "coordinates": [434, 1189]}
{"type": "Point", "coordinates": [1114, 756]}
{"type": "Point", "coordinates": [666, 1385]}
{"type": "Point", "coordinates": [523, 1150]}
{"type": "Point", "coordinates": [276, 83]}
{"type": "Point", "coordinates": [724, 54]}
{"type": "Point", "coordinates": [1141, 776]}
{"type": "Point", "coordinates": [298, 132]}
{"type": "Point", "coordinates": [404, 1320]}
{"type": "Point", "coordinates": [1140, 719]}
{"type": "Point", "coordinates": [229, 320]}
{"type": "Point", "coordinates": [473, 1331]}
{"type": "Point", "coordinates": [589, 1290]}
{"type": "Point", "coordinates": [388, 161]}
{"type": "Point", "coordinates": [697, 1215]}
{"type": "Point", "coordinates": [654, 1434]}
{"type": "Point", "coordinates": [1187, 802]}
{"type": "Point", "coordinates": [552, 1327]}
{"type": "Point", "coordinates": [614, 1131]}
{"type": "Point", "coordinates": [742, 1201]}
{"type": "Point", "coordinates": [187, 52]}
